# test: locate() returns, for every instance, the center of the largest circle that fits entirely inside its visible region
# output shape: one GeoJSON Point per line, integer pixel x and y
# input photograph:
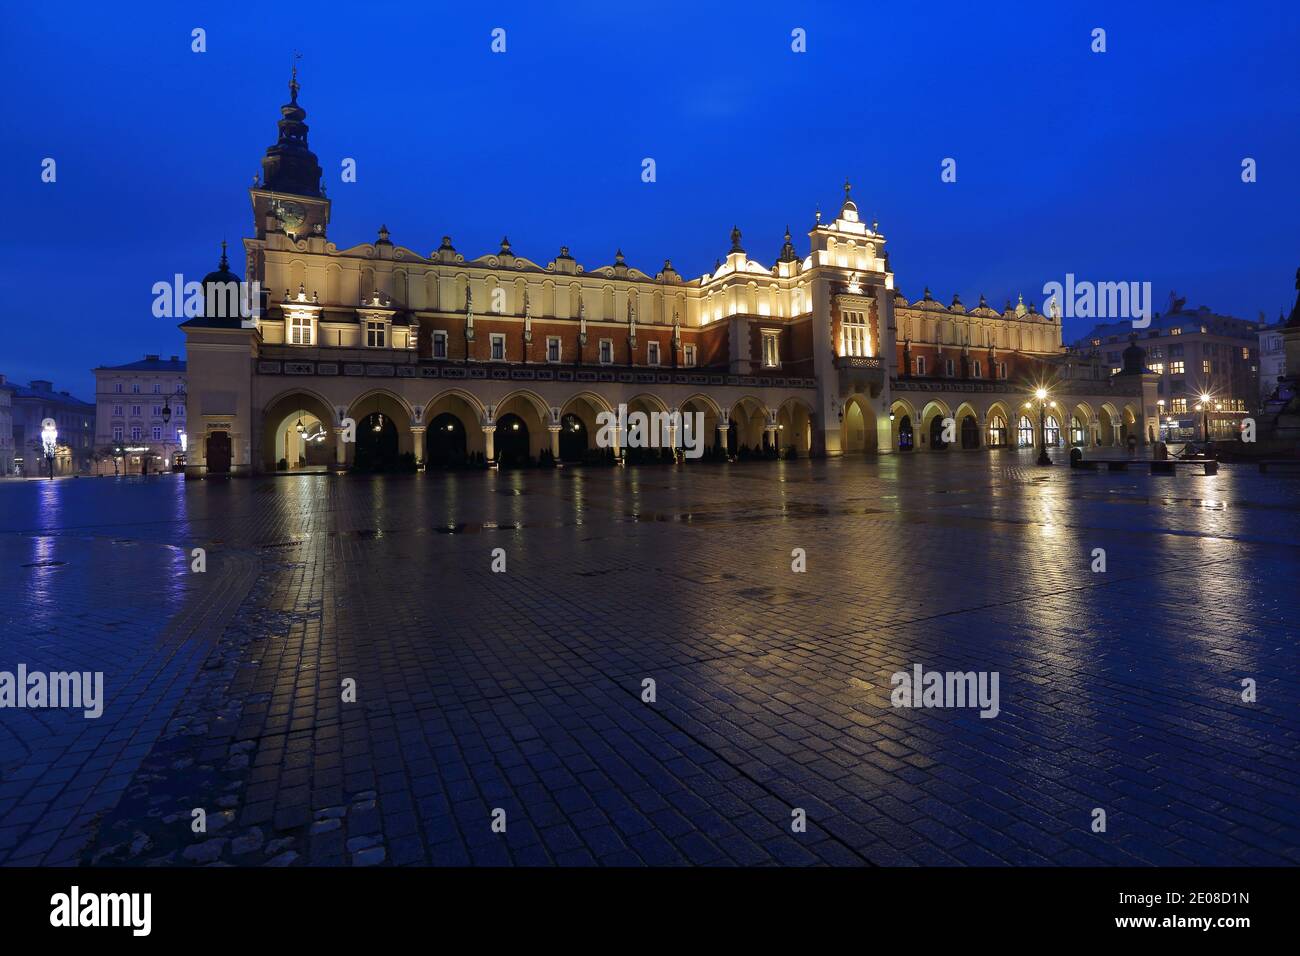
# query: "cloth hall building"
{"type": "Point", "coordinates": [435, 357]}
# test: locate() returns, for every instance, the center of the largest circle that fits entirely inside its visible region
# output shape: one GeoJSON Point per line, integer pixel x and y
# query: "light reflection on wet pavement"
{"type": "Point", "coordinates": [522, 690]}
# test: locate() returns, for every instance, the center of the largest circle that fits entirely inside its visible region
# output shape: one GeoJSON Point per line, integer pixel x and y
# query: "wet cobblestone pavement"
{"type": "Point", "coordinates": [522, 691]}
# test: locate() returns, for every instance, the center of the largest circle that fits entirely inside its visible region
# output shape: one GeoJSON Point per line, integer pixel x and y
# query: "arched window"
{"type": "Point", "coordinates": [1026, 432]}
{"type": "Point", "coordinates": [1078, 435]}
{"type": "Point", "coordinates": [997, 432]}
{"type": "Point", "coordinates": [1053, 430]}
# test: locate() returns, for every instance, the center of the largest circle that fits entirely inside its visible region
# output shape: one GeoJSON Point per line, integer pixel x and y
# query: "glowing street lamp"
{"type": "Point", "coordinates": [1043, 401]}
{"type": "Point", "coordinates": [1204, 406]}
{"type": "Point", "coordinates": [49, 442]}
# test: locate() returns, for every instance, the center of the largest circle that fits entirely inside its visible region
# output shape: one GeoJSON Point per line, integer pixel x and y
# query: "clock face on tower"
{"type": "Point", "coordinates": [292, 215]}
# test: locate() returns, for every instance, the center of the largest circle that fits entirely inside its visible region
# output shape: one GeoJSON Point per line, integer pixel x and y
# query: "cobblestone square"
{"type": "Point", "coordinates": [522, 691]}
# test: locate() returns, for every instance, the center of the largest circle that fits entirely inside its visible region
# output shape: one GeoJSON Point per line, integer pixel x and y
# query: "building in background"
{"type": "Point", "coordinates": [438, 356]}
{"type": "Point", "coordinates": [75, 419]}
{"type": "Point", "coordinates": [6, 430]}
{"type": "Point", "coordinates": [1193, 353]}
{"type": "Point", "coordinates": [140, 416]}
{"type": "Point", "coordinates": [1272, 358]}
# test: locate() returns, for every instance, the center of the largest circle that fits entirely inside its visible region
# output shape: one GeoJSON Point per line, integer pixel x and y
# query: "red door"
{"type": "Point", "coordinates": [219, 453]}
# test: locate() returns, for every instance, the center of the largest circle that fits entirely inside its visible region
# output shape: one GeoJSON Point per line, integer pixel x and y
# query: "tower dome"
{"type": "Point", "coordinates": [290, 166]}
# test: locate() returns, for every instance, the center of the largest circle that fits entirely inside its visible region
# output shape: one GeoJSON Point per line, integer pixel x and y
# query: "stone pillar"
{"type": "Point", "coordinates": [489, 432]}
{"type": "Point", "coordinates": [555, 441]}
{"type": "Point", "coordinates": [417, 439]}
{"type": "Point", "coordinates": [340, 448]}
{"type": "Point", "coordinates": [723, 425]}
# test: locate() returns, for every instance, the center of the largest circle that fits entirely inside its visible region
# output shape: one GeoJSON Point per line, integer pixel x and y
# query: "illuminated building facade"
{"type": "Point", "coordinates": [440, 357]}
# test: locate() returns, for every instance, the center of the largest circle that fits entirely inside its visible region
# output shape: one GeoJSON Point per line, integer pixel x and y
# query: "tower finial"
{"type": "Point", "coordinates": [848, 187]}
{"type": "Point", "coordinates": [293, 78]}
{"type": "Point", "coordinates": [225, 263]}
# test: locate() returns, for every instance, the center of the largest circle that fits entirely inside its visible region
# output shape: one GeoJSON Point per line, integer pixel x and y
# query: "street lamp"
{"type": "Point", "coordinates": [1043, 457]}
{"type": "Point", "coordinates": [49, 442]}
{"type": "Point", "coordinates": [1205, 419]}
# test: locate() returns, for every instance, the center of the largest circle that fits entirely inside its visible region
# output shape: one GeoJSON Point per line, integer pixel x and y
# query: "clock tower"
{"type": "Point", "coordinates": [287, 197]}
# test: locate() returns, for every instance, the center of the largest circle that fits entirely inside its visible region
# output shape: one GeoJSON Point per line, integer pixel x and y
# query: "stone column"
{"type": "Point", "coordinates": [723, 425]}
{"type": "Point", "coordinates": [340, 448]}
{"type": "Point", "coordinates": [555, 441]}
{"type": "Point", "coordinates": [489, 432]}
{"type": "Point", "coordinates": [417, 438]}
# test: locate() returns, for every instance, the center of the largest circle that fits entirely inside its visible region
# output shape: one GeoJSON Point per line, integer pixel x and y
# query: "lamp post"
{"type": "Point", "coordinates": [1204, 406]}
{"type": "Point", "coordinates": [1041, 395]}
{"type": "Point", "coordinates": [49, 442]}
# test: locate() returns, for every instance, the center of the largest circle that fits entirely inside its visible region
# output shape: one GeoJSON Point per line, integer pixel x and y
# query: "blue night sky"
{"type": "Point", "coordinates": [1120, 166]}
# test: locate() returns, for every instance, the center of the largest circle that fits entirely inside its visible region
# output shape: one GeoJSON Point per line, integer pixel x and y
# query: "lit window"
{"type": "Point", "coordinates": [1205, 366]}
{"type": "Point", "coordinates": [1177, 368]}
{"type": "Point", "coordinates": [853, 335]}
{"type": "Point", "coordinates": [771, 349]}
{"type": "Point", "coordinates": [689, 358]}
{"type": "Point", "coordinates": [376, 335]}
{"type": "Point", "coordinates": [1157, 367]}
{"type": "Point", "coordinates": [300, 330]}
{"type": "Point", "coordinates": [997, 432]}
{"type": "Point", "coordinates": [1026, 432]}
{"type": "Point", "coordinates": [440, 345]}
{"type": "Point", "coordinates": [552, 348]}
{"type": "Point", "coordinates": [498, 347]}
{"type": "Point", "coordinates": [1176, 331]}
{"type": "Point", "coordinates": [1178, 406]}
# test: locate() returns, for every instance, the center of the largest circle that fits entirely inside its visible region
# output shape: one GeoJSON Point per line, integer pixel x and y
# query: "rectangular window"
{"type": "Point", "coordinates": [135, 432]}
{"type": "Point", "coordinates": [606, 351]}
{"type": "Point", "coordinates": [440, 345]}
{"type": "Point", "coordinates": [652, 353]}
{"type": "Point", "coordinates": [157, 388]}
{"type": "Point", "coordinates": [375, 335]}
{"type": "Point", "coordinates": [117, 387]}
{"type": "Point", "coordinates": [947, 367]}
{"type": "Point", "coordinates": [1178, 406]}
{"type": "Point", "coordinates": [771, 349]}
{"type": "Point", "coordinates": [1157, 367]}
{"type": "Point", "coordinates": [1205, 366]}
{"type": "Point", "coordinates": [689, 358]}
{"type": "Point", "coordinates": [498, 347]}
{"type": "Point", "coordinates": [1176, 331]}
{"type": "Point", "coordinates": [300, 330]}
{"type": "Point", "coordinates": [853, 335]}
{"type": "Point", "coordinates": [1177, 368]}
{"type": "Point", "coordinates": [135, 388]}
{"type": "Point", "coordinates": [552, 348]}
{"type": "Point", "coordinates": [135, 409]}
{"type": "Point", "coordinates": [157, 433]}
{"type": "Point", "coordinates": [117, 433]}
{"type": "Point", "coordinates": [117, 409]}
{"type": "Point", "coordinates": [920, 365]}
